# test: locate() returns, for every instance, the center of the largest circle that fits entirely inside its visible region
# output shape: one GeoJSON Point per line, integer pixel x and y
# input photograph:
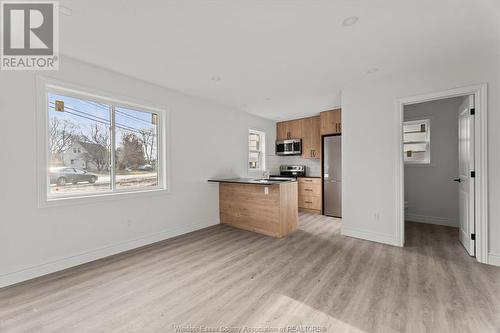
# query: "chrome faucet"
{"type": "Point", "coordinates": [265, 175]}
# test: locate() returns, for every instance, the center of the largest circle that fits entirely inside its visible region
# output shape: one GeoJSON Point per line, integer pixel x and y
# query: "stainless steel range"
{"type": "Point", "coordinates": [290, 172]}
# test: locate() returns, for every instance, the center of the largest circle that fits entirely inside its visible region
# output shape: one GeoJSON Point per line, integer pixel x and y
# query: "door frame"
{"type": "Point", "coordinates": [481, 159]}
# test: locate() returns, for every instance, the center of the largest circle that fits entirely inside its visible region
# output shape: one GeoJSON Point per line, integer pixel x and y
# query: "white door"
{"type": "Point", "coordinates": [466, 181]}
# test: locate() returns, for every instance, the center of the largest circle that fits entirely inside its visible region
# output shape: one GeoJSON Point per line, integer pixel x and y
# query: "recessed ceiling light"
{"type": "Point", "coordinates": [372, 70]}
{"type": "Point", "coordinates": [352, 20]}
{"type": "Point", "coordinates": [215, 78]}
{"type": "Point", "coordinates": [65, 10]}
{"type": "Point", "coordinates": [268, 98]}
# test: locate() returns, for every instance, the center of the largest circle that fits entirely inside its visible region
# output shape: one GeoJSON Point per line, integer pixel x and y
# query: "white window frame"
{"type": "Point", "coordinates": [262, 160]}
{"type": "Point", "coordinates": [49, 85]}
{"type": "Point", "coordinates": [427, 122]}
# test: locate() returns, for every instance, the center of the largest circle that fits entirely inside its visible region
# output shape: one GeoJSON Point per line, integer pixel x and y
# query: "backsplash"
{"type": "Point", "coordinates": [273, 162]}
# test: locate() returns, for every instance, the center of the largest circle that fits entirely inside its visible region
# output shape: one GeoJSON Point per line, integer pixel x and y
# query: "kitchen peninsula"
{"type": "Point", "coordinates": [265, 206]}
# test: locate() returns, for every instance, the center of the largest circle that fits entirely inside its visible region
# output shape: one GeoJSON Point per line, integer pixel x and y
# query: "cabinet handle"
{"type": "Point", "coordinates": [308, 189]}
{"type": "Point", "coordinates": [308, 201]}
{"type": "Point", "coordinates": [307, 180]}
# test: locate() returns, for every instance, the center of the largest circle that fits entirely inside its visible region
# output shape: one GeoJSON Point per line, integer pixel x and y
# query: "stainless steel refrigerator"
{"type": "Point", "coordinates": [332, 175]}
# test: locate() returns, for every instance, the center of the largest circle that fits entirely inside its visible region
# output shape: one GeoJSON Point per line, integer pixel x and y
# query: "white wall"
{"type": "Point", "coordinates": [431, 193]}
{"type": "Point", "coordinates": [370, 132]}
{"type": "Point", "coordinates": [207, 140]}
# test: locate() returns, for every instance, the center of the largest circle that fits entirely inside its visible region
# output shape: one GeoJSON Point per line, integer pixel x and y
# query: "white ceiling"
{"type": "Point", "coordinates": [276, 59]}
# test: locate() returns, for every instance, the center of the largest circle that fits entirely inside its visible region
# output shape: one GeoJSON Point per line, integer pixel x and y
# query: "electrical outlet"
{"type": "Point", "coordinates": [266, 190]}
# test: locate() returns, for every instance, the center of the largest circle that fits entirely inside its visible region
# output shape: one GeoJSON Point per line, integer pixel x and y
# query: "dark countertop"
{"type": "Point", "coordinates": [309, 176]}
{"type": "Point", "coordinates": [253, 181]}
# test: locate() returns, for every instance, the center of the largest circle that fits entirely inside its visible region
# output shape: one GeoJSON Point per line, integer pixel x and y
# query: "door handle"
{"type": "Point", "coordinates": [457, 180]}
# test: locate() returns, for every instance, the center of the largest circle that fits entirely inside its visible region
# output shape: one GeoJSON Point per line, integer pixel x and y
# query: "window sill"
{"type": "Point", "coordinates": [93, 198]}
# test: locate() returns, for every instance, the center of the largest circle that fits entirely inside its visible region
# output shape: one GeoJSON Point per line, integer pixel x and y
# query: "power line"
{"type": "Point", "coordinates": [101, 120]}
{"type": "Point", "coordinates": [103, 107]}
{"type": "Point", "coordinates": [131, 117]}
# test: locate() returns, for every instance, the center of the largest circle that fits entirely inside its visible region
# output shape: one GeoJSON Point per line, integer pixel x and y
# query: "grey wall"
{"type": "Point", "coordinates": [431, 194]}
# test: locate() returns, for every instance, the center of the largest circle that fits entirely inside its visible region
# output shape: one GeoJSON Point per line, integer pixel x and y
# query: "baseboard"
{"type": "Point", "coordinates": [494, 259]}
{"type": "Point", "coordinates": [82, 258]}
{"type": "Point", "coordinates": [430, 220]}
{"type": "Point", "coordinates": [369, 235]}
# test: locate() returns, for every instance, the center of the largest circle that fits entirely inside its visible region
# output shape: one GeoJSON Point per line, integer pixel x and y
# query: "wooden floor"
{"type": "Point", "coordinates": [227, 277]}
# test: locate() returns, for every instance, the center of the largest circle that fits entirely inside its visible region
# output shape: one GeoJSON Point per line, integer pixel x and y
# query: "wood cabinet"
{"type": "Point", "coordinates": [291, 129]}
{"type": "Point", "coordinates": [310, 198]}
{"type": "Point", "coordinates": [331, 122]}
{"type": "Point", "coordinates": [267, 209]}
{"type": "Point", "coordinates": [311, 138]}
{"type": "Point", "coordinates": [307, 129]}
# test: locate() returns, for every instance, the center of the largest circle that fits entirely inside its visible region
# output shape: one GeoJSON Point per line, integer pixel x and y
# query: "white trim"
{"type": "Point", "coordinates": [481, 139]}
{"type": "Point", "coordinates": [494, 259]}
{"type": "Point", "coordinates": [370, 236]}
{"type": "Point", "coordinates": [430, 220]}
{"type": "Point", "coordinates": [99, 253]}
{"type": "Point", "coordinates": [45, 84]}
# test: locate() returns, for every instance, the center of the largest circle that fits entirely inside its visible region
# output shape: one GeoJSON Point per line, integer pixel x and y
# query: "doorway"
{"type": "Point", "coordinates": [472, 169]}
{"type": "Point", "coordinates": [437, 155]}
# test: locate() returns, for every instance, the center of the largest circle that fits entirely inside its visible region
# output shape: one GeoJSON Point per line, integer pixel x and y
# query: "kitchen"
{"type": "Point", "coordinates": [304, 175]}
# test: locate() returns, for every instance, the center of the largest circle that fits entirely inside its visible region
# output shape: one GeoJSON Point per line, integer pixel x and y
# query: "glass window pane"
{"type": "Point", "coordinates": [415, 137]}
{"type": "Point", "coordinates": [415, 147]}
{"type": "Point", "coordinates": [415, 127]}
{"type": "Point", "coordinates": [253, 160]}
{"type": "Point", "coordinates": [136, 148]}
{"type": "Point", "coordinates": [254, 142]}
{"type": "Point", "coordinates": [415, 157]}
{"type": "Point", "coordinates": [79, 146]}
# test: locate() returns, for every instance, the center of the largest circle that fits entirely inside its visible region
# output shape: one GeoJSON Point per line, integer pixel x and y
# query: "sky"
{"type": "Point", "coordinates": [86, 113]}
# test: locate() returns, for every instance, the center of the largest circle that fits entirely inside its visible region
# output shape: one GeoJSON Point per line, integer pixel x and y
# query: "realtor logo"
{"type": "Point", "coordinates": [29, 35]}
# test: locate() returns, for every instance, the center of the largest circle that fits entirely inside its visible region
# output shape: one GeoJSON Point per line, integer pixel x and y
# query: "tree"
{"type": "Point", "coordinates": [97, 146]}
{"type": "Point", "coordinates": [148, 141]}
{"type": "Point", "coordinates": [61, 135]}
{"type": "Point", "coordinates": [131, 154]}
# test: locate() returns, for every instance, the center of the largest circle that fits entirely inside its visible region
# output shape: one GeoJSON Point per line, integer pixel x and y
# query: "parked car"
{"type": "Point", "coordinates": [145, 167]}
{"type": "Point", "coordinates": [63, 175]}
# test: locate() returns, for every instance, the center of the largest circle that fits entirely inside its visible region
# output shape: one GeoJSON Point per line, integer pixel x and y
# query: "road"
{"type": "Point", "coordinates": [103, 183]}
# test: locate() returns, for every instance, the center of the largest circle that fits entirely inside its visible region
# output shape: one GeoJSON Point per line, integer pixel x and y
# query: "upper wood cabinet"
{"type": "Point", "coordinates": [331, 122]}
{"type": "Point", "coordinates": [311, 143]}
{"type": "Point", "coordinates": [291, 129]}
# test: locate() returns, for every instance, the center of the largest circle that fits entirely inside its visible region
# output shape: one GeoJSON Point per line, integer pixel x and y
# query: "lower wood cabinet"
{"type": "Point", "coordinates": [265, 209]}
{"type": "Point", "coordinates": [310, 199]}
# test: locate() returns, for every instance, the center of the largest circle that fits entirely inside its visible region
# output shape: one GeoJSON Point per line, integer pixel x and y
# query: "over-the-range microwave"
{"type": "Point", "coordinates": [289, 147]}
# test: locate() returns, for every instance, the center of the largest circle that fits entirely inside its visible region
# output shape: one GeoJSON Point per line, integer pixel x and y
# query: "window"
{"type": "Point", "coordinates": [256, 150]}
{"type": "Point", "coordinates": [117, 146]}
{"type": "Point", "coordinates": [416, 137]}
